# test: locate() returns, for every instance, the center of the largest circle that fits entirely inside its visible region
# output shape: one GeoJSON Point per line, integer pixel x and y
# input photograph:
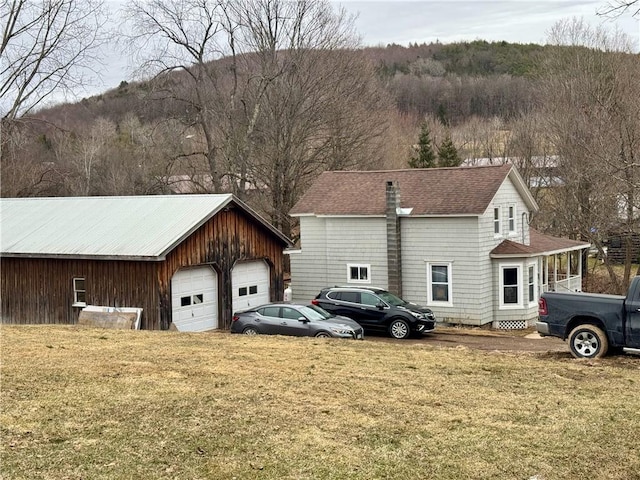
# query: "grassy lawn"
{"type": "Point", "coordinates": [105, 404]}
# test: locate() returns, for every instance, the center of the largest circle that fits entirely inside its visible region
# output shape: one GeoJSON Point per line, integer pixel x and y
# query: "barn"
{"type": "Point", "coordinates": [190, 260]}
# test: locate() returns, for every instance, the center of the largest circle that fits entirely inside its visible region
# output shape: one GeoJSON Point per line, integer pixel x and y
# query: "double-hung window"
{"type": "Point", "coordinates": [511, 219]}
{"type": "Point", "coordinates": [358, 273]}
{"type": "Point", "coordinates": [79, 292]}
{"type": "Point", "coordinates": [532, 283]}
{"type": "Point", "coordinates": [497, 230]}
{"type": "Point", "coordinates": [439, 285]}
{"type": "Point", "coordinates": [510, 286]}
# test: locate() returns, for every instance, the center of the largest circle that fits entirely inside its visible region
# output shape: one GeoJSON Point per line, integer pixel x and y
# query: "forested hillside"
{"type": "Point", "coordinates": [264, 122]}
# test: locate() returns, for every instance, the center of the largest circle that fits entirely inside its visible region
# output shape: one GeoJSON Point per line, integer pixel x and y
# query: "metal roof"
{"type": "Point", "coordinates": [123, 228]}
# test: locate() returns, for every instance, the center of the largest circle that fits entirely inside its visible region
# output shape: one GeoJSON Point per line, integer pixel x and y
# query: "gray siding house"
{"type": "Point", "coordinates": [454, 239]}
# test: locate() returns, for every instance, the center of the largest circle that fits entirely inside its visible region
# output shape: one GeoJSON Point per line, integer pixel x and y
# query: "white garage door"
{"type": "Point", "coordinates": [250, 283]}
{"type": "Point", "coordinates": [194, 299]}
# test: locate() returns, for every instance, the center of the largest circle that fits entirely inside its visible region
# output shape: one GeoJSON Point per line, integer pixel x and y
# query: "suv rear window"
{"type": "Point", "coordinates": [353, 297]}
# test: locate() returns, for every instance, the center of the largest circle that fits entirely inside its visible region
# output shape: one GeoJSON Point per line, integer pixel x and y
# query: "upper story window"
{"type": "Point", "coordinates": [497, 230]}
{"type": "Point", "coordinates": [357, 273]}
{"type": "Point", "coordinates": [511, 220]}
{"type": "Point", "coordinates": [79, 292]}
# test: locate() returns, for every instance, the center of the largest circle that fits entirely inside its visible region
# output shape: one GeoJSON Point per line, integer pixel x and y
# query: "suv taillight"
{"type": "Point", "coordinates": [235, 318]}
{"type": "Point", "coordinates": [542, 307]}
{"type": "Point", "coordinates": [315, 302]}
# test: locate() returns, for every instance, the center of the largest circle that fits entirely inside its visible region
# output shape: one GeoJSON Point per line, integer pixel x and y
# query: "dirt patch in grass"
{"type": "Point", "coordinates": [87, 403]}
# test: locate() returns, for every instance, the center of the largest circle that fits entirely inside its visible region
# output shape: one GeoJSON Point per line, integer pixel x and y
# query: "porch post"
{"type": "Point", "coordinates": [555, 272]}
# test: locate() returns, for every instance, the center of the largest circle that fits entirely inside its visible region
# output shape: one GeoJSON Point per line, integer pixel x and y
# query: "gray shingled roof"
{"type": "Point", "coordinates": [135, 227]}
{"type": "Point", "coordinates": [432, 191]}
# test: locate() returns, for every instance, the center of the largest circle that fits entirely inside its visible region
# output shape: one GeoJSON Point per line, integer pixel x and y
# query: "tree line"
{"type": "Point", "coordinates": [257, 97]}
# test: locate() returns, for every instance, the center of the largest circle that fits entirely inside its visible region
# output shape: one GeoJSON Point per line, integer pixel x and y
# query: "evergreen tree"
{"type": "Point", "coordinates": [448, 154]}
{"type": "Point", "coordinates": [424, 157]}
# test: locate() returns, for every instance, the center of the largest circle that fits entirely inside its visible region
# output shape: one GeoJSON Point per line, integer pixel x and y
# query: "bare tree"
{"type": "Point", "coordinates": [593, 121]}
{"type": "Point", "coordinates": [275, 90]}
{"type": "Point", "coordinates": [47, 47]}
{"type": "Point", "coordinates": [616, 8]}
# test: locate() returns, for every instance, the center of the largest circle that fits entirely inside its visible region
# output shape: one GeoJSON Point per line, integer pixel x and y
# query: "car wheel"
{"type": "Point", "coordinates": [322, 335]}
{"type": "Point", "coordinates": [399, 329]}
{"type": "Point", "coordinates": [588, 341]}
{"type": "Point", "coordinates": [250, 331]}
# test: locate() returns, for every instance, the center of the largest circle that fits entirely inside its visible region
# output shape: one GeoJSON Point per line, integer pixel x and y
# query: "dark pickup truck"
{"type": "Point", "coordinates": [592, 323]}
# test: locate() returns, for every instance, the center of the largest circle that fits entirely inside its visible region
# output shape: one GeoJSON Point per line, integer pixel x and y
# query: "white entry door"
{"type": "Point", "coordinates": [194, 299]}
{"type": "Point", "coordinates": [250, 283]}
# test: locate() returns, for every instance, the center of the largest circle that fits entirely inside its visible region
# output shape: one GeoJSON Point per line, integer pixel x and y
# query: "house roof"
{"type": "Point", "coordinates": [540, 244]}
{"type": "Point", "coordinates": [429, 191]}
{"type": "Point", "coordinates": [123, 228]}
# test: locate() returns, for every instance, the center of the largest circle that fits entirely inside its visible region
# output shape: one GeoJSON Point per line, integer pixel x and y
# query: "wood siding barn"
{"type": "Point", "coordinates": [39, 287]}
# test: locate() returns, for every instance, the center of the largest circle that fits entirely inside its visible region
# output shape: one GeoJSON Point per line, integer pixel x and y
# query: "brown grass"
{"type": "Point", "coordinates": [105, 404]}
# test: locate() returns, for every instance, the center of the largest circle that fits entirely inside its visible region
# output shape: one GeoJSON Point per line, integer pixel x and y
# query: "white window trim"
{"type": "Point", "coordinates": [430, 301]}
{"type": "Point", "coordinates": [359, 266]}
{"type": "Point", "coordinates": [76, 303]}
{"type": "Point", "coordinates": [512, 232]}
{"type": "Point", "coordinates": [533, 301]}
{"type": "Point", "coordinates": [497, 234]}
{"type": "Point", "coordinates": [511, 306]}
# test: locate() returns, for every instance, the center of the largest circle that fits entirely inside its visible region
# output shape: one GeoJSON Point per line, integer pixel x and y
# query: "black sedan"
{"type": "Point", "coordinates": [296, 320]}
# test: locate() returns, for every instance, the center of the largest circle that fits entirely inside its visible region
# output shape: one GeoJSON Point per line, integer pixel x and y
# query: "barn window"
{"type": "Point", "coordinates": [358, 273]}
{"type": "Point", "coordinates": [79, 293]}
{"type": "Point", "coordinates": [185, 301]}
{"type": "Point", "coordinates": [242, 291]}
{"type": "Point", "coordinates": [253, 289]}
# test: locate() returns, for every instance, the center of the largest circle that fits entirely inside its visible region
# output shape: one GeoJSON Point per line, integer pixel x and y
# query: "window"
{"type": "Point", "coordinates": [510, 287]}
{"type": "Point", "coordinates": [290, 313]}
{"type": "Point", "coordinates": [512, 219]}
{"type": "Point", "coordinates": [185, 301]}
{"type": "Point", "coordinates": [497, 231]}
{"type": "Point", "coordinates": [531, 283]}
{"type": "Point", "coordinates": [439, 284]}
{"type": "Point", "coordinates": [358, 273]}
{"type": "Point", "coordinates": [79, 293]}
{"type": "Point", "coordinates": [242, 292]}
{"type": "Point", "coordinates": [369, 299]}
{"type": "Point", "coordinates": [199, 298]}
{"type": "Point", "coordinates": [270, 311]}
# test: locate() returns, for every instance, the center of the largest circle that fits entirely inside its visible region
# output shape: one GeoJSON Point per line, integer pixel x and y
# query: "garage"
{"type": "Point", "coordinates": [250, 283]}
{"type": "Point", "coordinates": [194, 299]}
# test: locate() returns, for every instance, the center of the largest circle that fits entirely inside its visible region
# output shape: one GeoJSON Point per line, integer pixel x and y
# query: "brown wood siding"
{"type": "Point", "coordinates": [41, 290]}
{"type": "Point", "coordinates": [229, 237]}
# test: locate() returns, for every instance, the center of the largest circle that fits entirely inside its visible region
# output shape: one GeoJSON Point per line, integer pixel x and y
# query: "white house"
{"type": "Point", "coordinates": [455, 239]}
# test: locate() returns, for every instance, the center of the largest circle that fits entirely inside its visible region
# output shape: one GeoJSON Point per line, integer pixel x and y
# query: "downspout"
{"type": "Point", "coordinates": [394, 243]}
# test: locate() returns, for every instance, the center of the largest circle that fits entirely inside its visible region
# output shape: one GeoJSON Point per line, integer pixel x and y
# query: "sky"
{"type": "Point", "coordinates": [381, 22]}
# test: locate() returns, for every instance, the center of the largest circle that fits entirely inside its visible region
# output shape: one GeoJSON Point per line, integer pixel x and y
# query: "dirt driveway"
{"type": "Point", "coordinates": [478, 339]}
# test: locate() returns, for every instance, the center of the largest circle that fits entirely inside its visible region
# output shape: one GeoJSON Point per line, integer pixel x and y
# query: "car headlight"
{"type": "Point", "coordinates": [342, 331]}
{"type": "Point", "coordinates": [416, 314]}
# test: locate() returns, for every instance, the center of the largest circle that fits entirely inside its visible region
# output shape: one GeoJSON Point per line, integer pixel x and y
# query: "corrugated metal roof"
{"type": "Point", "coordinates": [136, 227]}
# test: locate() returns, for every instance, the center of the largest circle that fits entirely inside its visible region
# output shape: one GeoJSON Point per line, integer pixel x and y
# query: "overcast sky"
{"type": "Point", "coordinates": [381, 22]}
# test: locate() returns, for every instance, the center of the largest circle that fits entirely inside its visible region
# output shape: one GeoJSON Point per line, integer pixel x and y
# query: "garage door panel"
{"type": "Point", "coordinates": [194, 299]}
{"type": "Point", "coordinates": [251, 284]}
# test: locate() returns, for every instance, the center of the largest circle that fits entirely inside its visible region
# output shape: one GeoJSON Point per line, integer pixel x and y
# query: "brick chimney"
{"type": "Point", "coordinates": [394, 244]}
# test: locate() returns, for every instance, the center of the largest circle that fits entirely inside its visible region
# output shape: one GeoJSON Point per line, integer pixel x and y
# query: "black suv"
{"type": "Point", "coordinates": [377, 309]}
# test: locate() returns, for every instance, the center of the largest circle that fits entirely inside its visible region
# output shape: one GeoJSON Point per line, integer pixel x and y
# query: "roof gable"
{"type": "Point", "coordinates": [134, 227]}
{"type": "Point", "coordinates": [431, 191]}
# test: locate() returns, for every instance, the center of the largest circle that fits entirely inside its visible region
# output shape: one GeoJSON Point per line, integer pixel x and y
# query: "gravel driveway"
{"type": "Point", "coordinates": [483, 340]}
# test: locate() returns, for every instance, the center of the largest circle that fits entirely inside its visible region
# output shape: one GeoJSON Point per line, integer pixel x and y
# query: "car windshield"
{"type": "Point", "coordinates": [391, 299]}
{"type": "Point", "coordinates": [311, 313]}
{"type": "Point", "coordinates": [320, 310]}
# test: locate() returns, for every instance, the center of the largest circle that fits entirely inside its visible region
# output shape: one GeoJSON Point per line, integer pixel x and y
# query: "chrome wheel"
{"type": "Point", "coordinates": [588, 341]}
{"type": "Point", "coordinates": [250, 331]}
{"type": "Point", "coordinates": [323, 335]}
{"type": "Point", "coordinates": [399, 329]}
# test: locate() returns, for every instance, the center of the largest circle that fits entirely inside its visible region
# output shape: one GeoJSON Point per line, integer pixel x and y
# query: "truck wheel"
{"type": "Point", "coordinates": [399, 329]}
{"type": "Point", "coordinates": [588, 341]}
